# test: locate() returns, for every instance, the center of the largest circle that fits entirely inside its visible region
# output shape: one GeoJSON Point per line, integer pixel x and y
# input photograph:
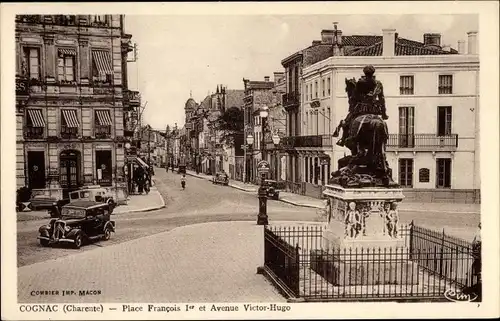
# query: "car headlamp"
{"type": "Point", "coordinates": [67, 228]}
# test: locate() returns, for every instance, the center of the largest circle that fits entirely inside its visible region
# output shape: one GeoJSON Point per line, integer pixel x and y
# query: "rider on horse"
{"type": "Point", "coordinates": [368, 99]}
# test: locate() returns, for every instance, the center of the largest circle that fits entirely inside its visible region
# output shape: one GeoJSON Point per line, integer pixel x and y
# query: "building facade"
{"type": "Point", "coordinates": [202, 138]}
{"type": "Point", "coordinates": [432, 100]}
{"type": "Point", "coordinates": [69, 102]}
{"type": "Point", "coordinates": [258, 94]}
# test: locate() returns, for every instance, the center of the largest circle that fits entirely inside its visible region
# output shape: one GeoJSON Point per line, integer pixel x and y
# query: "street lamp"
{"type": "Point", "coordinates": [276, 141]}
{"type": "Point", "coordinates": [249, 143]}
{"type": "Point", "coordinates": [262, 218]}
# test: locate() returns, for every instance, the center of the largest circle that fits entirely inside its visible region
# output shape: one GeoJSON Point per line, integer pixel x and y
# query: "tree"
{"type": "Point", "coordinates": [231, 124]}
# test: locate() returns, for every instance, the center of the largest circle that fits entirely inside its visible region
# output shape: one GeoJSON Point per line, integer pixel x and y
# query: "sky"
{"type": "Point", "coordinates": [180, 55]}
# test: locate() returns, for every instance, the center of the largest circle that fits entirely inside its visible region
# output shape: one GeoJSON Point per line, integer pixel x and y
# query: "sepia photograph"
{"type": "Point", "coordinates": [200, 163]}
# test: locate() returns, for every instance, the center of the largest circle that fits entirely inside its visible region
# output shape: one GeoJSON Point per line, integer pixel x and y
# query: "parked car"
{"type": "Point", "coordinates": [80, 222]}
{"type": "Point", "coordinates": [272, 189]}
{"type": "Point", "coordinates": [93, 193]}
{"type": "Point", "coordinates": [181, 169]}
{"type": "Point", "coordinates": [220, 178]}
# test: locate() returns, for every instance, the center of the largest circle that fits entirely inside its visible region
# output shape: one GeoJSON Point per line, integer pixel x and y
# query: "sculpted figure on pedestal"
{"type": "Point", "coordinates": [365, 134]}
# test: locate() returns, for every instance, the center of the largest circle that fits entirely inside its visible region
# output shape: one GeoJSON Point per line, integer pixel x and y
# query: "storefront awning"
{"type": "Point", "coordinates": [67, 52]}
{"type": "Point", "coordinates": [36, 117]}
{"type": "Point", "coordinates": [102, 61]}
{"type": "Point", "coordinates": [70, 118]}
{"type": "Point", "coordinates": [104, 117]}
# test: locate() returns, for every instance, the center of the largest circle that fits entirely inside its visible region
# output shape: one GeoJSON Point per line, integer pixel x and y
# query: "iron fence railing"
{"type": "Point", "coordinates": [33, 132]}
{"type": "Point", "coordinates": [425, 268]}
{"type": "Point", "coordinates": [422, 140]}
{"type": "Point", "coordinates": [307, 141]}
{"type": "Point", "coordinates": [295, 187]}
{"type": "Point", "coordinates": [283, 259]}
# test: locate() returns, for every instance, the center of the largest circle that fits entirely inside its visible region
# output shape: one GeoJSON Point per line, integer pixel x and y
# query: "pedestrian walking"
{"type": "Point", "coordinates": [183, 181]}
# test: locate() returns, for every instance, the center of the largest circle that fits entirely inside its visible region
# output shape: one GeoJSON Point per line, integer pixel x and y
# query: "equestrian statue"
{"type": "Point", "coordinates": [365, 134]}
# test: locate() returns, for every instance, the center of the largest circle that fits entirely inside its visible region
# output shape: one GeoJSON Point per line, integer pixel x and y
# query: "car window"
{"type": "Point", "coordinates": [73, 196]}
{"type": "Point", "coordinates": [98, 198]}
{"type": "Point", "coordinates": [85, 194]}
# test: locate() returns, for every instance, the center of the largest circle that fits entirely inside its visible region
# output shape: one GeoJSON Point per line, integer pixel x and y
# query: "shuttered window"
{"type": "Point", "coordinates": [406, 85]}
{"type": "Point", "coordinates": [445, 85]}
{"type": "Point", "coordinates": [31, 63]}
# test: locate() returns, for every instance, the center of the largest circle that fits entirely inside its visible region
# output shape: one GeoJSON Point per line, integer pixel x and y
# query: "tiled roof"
{"type": "Point", "coordinates": [360, 40]}
{"type": "Point", "coordinates": [190, 104]}
{"type": "Point", "coordinates": [403, 47]}
{"type": "Point", "coordinates": [205, 104]}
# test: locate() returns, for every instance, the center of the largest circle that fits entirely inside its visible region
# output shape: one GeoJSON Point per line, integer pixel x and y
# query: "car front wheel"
{"type": "Point", "coordinates": [78, 240]}
{"type": "Point", "coordinates": [44, 243]}
{"type": "Point", "coordinates": [107, 234]}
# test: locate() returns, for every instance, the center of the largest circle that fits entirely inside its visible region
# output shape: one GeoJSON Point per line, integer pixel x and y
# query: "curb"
{"type": "Point", "coordinates": [299, 204]}
{"type": "Point", "coordinates": [147, 209]}
{"type": "Point", "coordinates": [230, 185]}
{"type": "Point", "coordinates": [243, 189]}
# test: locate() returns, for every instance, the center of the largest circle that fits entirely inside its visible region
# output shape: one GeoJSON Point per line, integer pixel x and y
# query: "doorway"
{"type": "Point", "coordinates": [36, 170]}
{"type": "Point", "coordinates": [103, 167]}
{"type": "Point", "coordinates": [69, 162]}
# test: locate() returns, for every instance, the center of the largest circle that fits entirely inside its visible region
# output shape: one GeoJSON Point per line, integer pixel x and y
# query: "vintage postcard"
{"type": "Point", "coordinates": [249, 160]}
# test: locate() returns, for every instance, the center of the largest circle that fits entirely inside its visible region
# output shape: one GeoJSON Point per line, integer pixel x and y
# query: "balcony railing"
{"type": "Point", "coordinates": [290, 99]}
{"type": "Point", "coordinates": [102, 131]}
{"type": "Point", "coordinates": [422, 141]}
{"type": "Point", "coordinates": [307, 141]}
{"type": "Point", "coordinates": [69, 132]}
{"type": "Point", "coordinates": [134, 97]}
{"type": "Point", "coordinates": [33, 132]}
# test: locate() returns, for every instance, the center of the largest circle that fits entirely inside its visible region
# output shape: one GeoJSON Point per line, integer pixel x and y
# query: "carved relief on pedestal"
{"type": "Point", "coordinates": [370, 218]}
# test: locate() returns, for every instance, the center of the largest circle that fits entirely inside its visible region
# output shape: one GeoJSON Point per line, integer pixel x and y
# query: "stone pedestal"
{"type": "Point", "coordinates": [358, 247]}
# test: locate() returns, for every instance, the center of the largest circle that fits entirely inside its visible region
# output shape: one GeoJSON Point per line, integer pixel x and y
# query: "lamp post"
{"type": "Point", "coordinates": [276, 141]}
{"type": "Point", "coordinates": [249, 143]}
{"type": "Point", "coordinates": [262, 218]}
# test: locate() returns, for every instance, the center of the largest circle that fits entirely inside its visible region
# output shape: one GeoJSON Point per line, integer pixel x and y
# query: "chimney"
{"type": "Point", "coordinates": [446, 48]}
{"type": "Point", "coordinates": [266, 78]}
{"type": "Point", "coordinates": [472, 43]}
{"type": "Point", "coordinates": [327, 36]}
{"type": "Point", "coordinates": [432, 40]}
{"type": "Point", "coordinates": [389, 42]}
{"type": "Point", "coordinates": [461, 47]}
{"type": "Point", "coordinates": [338, 50]}
{"type": "Point", "coordinates": [278, 77]}
{"type": "Point", "coordinates": [316, 42]}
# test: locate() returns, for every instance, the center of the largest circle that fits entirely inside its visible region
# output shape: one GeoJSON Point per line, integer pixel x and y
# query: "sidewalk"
{"type": "Point", "coordinates": [136, 203]}
{"type": "Point", "coordinates": [307, 201]}
{"type": "Point", "coordinates": [142, 203]}
{"type": "Point", "coordinates": [195, 263]}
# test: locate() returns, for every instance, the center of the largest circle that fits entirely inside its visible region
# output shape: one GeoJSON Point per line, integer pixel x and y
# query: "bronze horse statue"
{"type": "Point", "coordinates": [367, 136]}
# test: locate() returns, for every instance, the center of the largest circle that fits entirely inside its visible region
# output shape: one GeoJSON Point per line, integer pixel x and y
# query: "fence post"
{"type": "Point", "coordinates": [441, 261]}
{"type": "Point", "coordinates": [411, 236]}
{"type": "Point", "coordinates": [296, 271]}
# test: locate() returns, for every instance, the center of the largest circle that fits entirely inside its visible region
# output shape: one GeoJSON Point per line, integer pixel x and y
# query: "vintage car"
{"type": "Point", "coordinates": [94, 193]}
{"type": "Point", "coordinates": [220, 178]}
{"type": "Point", "coordinates": [181, 169]}
{"type": "Point", "coordinates": [272, 189]}
{"type": "Point", "coordinates": [80, 221]}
